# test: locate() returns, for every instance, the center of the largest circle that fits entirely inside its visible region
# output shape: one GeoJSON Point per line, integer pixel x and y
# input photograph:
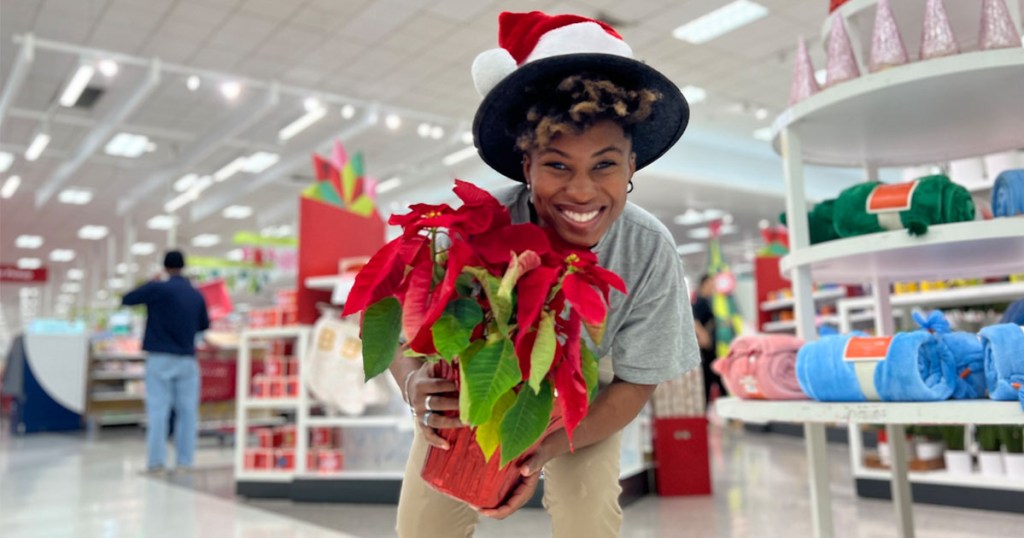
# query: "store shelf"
{"type": "Point", "coordinates": [860, 17]}
{"type": "Point", "coordinates": [271, 403]}
{"type": "Point", "coordinates": [822, 296]}
{"type": "Point", "coordinates": [117, 376]}
{"type": "Point", "coordinates": [882, 120]}
{"type": "Point", "coordinates": [119, 357]}
{"type": "Point", "coordinates": [779, 326]}
{"type": "Point", "coordinates": [948, 412]}
{"type": "Point", "coordinates": [323, 283]}
{"type": "Point", "coordinates": [965, 296]}
{"type": "Point", "coordinates": [947, 479]}
{"type": "Point", "coordinates": [117, 397]}
{"type": "Point", "coordinates": [965, 249]}
{"type": "Point", "coordinates": [353, 475]}
{"type": "Point", "coordinates": [831, 319]}
{"type": "Point", "coordinates": [288, 331]}
{"type": "Point", "coordinates": [356, 422]}
{"type": "Point", "coordinates": [265, 476]}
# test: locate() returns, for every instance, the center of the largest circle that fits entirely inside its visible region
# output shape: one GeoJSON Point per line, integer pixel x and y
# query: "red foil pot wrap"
{"type": "Point", "coordinates": [462, 472]}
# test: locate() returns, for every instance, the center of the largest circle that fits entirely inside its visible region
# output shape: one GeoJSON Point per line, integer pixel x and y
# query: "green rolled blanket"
{"type": "Point", "coordinates": [876, 207]}
{"type": "Point", "coordinates": [819, 222]}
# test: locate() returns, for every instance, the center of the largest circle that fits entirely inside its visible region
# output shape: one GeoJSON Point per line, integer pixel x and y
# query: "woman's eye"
{"type": "Point", "coordinates": [556, 166]}
{"type": "Point", "coordinates": [604, 164]}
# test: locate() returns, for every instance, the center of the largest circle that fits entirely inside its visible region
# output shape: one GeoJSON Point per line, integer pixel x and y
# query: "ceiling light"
{"type": "Point", "coordinates": [93, 232]}
{"type": "Point", "coordinates": [720, 21]}
{"type": "Point", "coordinates": [127, 145]}
{"type": "Point", "coordinates": [311, 104]}
{"type": "Point", "coordinates": [6, 159]}
{"type": "Point", "coordinates": [76, 274]}
{"type": "Point", "coordinates": [229, 169]}
{"type": "Point", "coordinates": [35, 149]}
{"type": "Point", "coordinates": [260, 161]}
{"type": "Point", "coordinates": [122, 268]}
{"type": "Point", "coordinates": [761, 113]}
{"type": "Point", "coordinates": [467, 137]}
{"type": "Point", "coordinates": [235, 255]}
{"type": "Point", "coordinates": [28, 241]}
{"type": "Point", "coordinates": [180, 200]}
{"type": "Point", "coordinates": [348, 112]}
{"type": "Point", "coordinates": [185, 182]}
{"type": "Point", "coordinates": [423, 130]}
{"type": "Point", "coordinates": [143, 249]}
{"type": "Point", "coordinates": [108, 67]}
{"type": "Point", "coordinates": [74, 196]}
{"type": "Point", "coordinates": [299, 125]}
{"type": "Point", "coordinates": [237, 212]}
{"type": "Point", "coordinates": [283, 230]}
{"type": "Point", "coordinates": [77, 85]}
{"type": "Point", "coordinates": [690, 218]}
{"type": "Point", "coordinates": [705, 232]}
{"type": "Point", "coordinates": [764, 133]}
{"type": "Point", "coordinates": [71, 287]}
{"type": "Point", "coordinates": [102, 294]}
{"type": "Point", "coordinates": [116, 283]}
{"type": "Point", "coordinates": [437, 132]}
{"type": "Point", "coordinates": [29, 263]}
{"type": "Point", "coordinates": [62, 255]}
{"type": "Point", "coordinates": [690, 248]}
{"type": "Point", "coordinates": [205, 240]}
{"type": "Point", "coordinates": [459, 156]}
{"type": "Point", "coordinates": [230, 90]}
{"type": "Point", "coordinates": [694, 94]}
{"type": "Point", "coordinates": [192, 83]}
{"type": "Point", "coordinates": [713, 214]}
{"type": "Point", "coordinates": [162, 222]}
{"type": "Point", "coordinates": [821, 76]}
{"type": "Point", "coordinates": [389, 185]}
{"type": "Point", "coordinates": [392, 121]}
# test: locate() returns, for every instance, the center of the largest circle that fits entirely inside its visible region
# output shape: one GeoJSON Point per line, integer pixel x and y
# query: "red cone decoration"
{"type": "Point", "coordinates": [997, 30]}
{"type": "Point", "coordinates": [937, 37]}
{"type": "Point", "coordinates": [804, 84]}
{"type": "Point", "coordinates": [834, 5]}
{"type": "Point", "coordinates": [842, 64]}
{"type": "Point", "coordinates": [887, 49]}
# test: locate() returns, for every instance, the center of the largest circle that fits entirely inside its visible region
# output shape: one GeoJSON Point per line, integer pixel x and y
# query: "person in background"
{"type": "Point", "coordinates": [704, 324]}
{"type": "Point", "coordinates": [176, 312]}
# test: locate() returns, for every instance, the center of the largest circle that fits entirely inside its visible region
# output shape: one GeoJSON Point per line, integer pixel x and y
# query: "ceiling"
{"type": "Point", "coordinates": [408, 57]}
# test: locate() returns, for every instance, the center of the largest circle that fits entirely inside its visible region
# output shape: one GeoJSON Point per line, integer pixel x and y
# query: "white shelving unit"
{"type": "Point", "coordinates": [908, 115]}
{"type": "Point", "coordinates": [829, 294]}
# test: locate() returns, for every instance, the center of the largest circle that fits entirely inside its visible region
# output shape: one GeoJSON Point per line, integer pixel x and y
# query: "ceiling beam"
{"type": "Point", "coordinates": [100, 134]}
{"type": "Point", "coordinates": [204, 207]}
{"type": "Point", "coordinates": [17, 74]}
{"type": "Point", "coordinates": [202, 148]}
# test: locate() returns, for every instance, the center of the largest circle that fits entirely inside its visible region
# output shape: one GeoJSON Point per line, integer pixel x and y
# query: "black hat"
{"type": "Point", "coordinates": [537, 49]}
{"type": "Point", "coordinates": [174, 259]}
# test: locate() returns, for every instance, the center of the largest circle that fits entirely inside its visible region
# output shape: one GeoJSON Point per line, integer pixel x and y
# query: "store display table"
{"type": "Point", "coordinates": [814, 416]}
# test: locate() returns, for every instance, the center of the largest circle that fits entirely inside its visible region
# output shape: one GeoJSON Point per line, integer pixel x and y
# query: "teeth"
{"type": "Point", "coordinates": [581, 217]}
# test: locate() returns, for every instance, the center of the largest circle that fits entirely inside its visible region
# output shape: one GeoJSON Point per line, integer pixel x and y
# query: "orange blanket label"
{"type": "Point", "coordinates": [891, 198]}
{"type": "Point", "coordinates": [867, 348]}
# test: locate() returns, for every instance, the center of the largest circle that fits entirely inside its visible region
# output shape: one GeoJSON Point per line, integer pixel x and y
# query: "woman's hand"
{"type": "Point", "coordinates": [429, 397]}
{"type": "Point", "coordinates": [530, 469]}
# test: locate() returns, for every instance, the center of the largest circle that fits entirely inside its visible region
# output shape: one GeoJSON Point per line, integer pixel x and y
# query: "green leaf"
{"type": "Point", "coordinates": [543, 353]}
{"type": "Point", "coordinates": [454, 328]}
{"type": "Point", "coordinates": [525, 422]}
{"type": "Point", "coordinates": [488, 434]}
{"type": "Point", "coordinates": [464, 285]}
{"type": "Point", "coordinates": [589, 370]}
{"type": "Point", "coordinates": [465, 405]}
{"type": "Point", "coordinates": [489, 374]}
{"type": "Point", "coordinates": [382, 324]}
{"type": "Point", "coordinates": [501, 307]}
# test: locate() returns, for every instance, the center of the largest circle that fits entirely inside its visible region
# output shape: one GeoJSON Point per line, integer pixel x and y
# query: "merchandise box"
{"type": "Point", "coordinates": [291, 388]}
{"type": "Point", "coordinates": [284, 436]}
{"type": "Point", "coordinates": [329, 460]}
{"type": "Point", "coordinates": [284, 459]}
{"type": "Point", "coordinates": [681, 453]}
{"type": "Point", "coordinates": [259, 458]}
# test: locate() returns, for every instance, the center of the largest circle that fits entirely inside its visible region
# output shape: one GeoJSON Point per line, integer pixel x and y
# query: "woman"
{"type": "Point", "coordinates": [571, 116]}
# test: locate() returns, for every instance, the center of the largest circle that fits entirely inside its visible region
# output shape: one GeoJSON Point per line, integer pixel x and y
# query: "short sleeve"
{"type": "Point", "coordinates": [656, 341]}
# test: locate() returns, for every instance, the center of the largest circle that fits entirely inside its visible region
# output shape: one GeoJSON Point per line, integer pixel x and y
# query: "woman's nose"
{"type": "Point", "coordinates": [581, 187]}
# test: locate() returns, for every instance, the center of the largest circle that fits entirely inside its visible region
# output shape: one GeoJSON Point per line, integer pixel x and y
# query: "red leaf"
{"type": "Point", "coordinates": [584, 299]}
{"type": "Point", "coordinates": [379, 278]}
{"type": "Point", "coordinates": [568, 378]}
{"type": "Point", "coordinates": [495, 247]}
{"type": "Point", "coordinates": [603, 278]}
{"type": "Point", "coordinates": [533, 290]}
{"type": "Point", "coordinates": [524, 347]}
{"type": "Point", "coordinates": [470, 194]}
{"type": "Point", "coordinates": [414, 304]}
{"type": "Point", "coordinates": [459, 255]}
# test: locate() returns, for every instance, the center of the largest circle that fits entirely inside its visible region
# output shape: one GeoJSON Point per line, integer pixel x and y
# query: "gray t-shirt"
{"type": "Point", "coordinates": [650, 334]}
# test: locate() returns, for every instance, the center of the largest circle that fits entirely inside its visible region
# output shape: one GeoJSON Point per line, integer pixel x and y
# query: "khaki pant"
{"type": "Point", "coordinates": [581, 493]}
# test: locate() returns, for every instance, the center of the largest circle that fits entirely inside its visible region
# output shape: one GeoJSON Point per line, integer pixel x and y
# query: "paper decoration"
{"type": "Point", "coordinates": [834, 5]}
{"type": "Point", "coordinates": [887, 48]}
{"type": "Point", "coordinates": [842, 64]}
{"type": "Point", "coordinates": [937, 37]}
{"type": "Point", "coordinates": [803, 85]}
{"type": "Point", "coordinates": [997, 29]}
{"type": "Point", "coordinates": [341, 182]}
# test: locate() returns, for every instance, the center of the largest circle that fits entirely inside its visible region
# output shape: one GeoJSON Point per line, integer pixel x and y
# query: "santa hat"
{"type": "Point", "coordinates": [536, 47]}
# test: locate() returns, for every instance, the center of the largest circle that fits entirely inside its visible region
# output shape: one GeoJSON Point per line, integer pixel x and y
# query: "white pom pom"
{"type": "Point", "coordinates": [490, 67]}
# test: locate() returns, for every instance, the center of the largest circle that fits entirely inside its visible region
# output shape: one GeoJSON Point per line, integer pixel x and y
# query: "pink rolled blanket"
{"type": "Point", "coordinates": [762, 367]}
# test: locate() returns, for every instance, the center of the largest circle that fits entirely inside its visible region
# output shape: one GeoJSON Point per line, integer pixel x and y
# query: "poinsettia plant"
{"type": "Point", "coordinates": [505, 304]}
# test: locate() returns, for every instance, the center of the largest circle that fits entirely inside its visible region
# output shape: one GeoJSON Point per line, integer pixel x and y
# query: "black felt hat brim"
{"type": "Point", "coordinates": [505, 106]}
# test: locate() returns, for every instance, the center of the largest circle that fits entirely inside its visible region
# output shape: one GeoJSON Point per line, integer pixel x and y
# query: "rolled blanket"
{"type": "Point", "coordinates": [917, 368]}
{"type": "Point", "coordinates": [762, 367]}
{"type": "Point", "coordinates": [875, 207]}
{"type": "Point", "coordinates": [1008, 194]}
{"type": "Point", "coordinates": [824, 375]}
{"type": "Point", "coordinates": [967, 354]}
{"type": "Point", "coordinates": [1004, 360]}
{"type": "Point", "coordinates": [819, 222]}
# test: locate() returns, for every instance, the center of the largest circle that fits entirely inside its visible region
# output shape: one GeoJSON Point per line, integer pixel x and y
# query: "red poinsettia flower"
{"type": "Point", "coordinates": [496, 246]}
{"type": "Point", "coordinates": [383, 274]}
{"type": "Point", "coordinates": [459, 256]}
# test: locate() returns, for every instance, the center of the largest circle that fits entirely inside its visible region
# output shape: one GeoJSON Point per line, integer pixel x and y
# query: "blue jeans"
{"type": "Point", "coordinates": [172, 381]}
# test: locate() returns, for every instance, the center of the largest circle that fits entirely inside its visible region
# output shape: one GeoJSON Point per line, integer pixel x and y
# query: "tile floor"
{"type": "Point", "coordinates": [63, 485]}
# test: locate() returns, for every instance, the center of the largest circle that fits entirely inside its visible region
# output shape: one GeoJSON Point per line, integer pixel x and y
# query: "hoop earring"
{"type": "Point", "coordinates": [630, 188]}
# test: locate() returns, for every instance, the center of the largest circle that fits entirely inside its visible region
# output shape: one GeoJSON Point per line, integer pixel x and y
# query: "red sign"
{"type": "Point", "coordinates": [886, 198]}
{"type": "Point", "coordinates": [874, 348]}
{"type": "Point", "coordinates": [11, 273]}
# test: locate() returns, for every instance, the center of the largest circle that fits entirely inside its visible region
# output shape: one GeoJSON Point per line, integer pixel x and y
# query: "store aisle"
{"type": "Point", "coordinates": [65, 486]}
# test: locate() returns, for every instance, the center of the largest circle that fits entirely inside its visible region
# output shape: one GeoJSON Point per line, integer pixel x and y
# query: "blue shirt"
{"type": "Point", "coordinates": [175, 313]}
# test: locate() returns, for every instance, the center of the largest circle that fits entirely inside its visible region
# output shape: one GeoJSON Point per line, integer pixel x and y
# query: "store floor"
{"type": "Point", "coordinates": [63, 485]}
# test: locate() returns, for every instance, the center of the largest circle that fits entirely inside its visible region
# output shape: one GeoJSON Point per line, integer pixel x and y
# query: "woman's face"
{"type": "Point", "coordinates": [578, 181]}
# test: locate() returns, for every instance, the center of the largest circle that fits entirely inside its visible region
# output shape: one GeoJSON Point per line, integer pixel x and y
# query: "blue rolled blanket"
{"type": "Point", "coordinates": [1008, 194]}
{"type": "Point", "coordinates": [1004, 361]}
{"type": "Point", "coordinates": [967, 354]}
{"type": "Point", "coordinates": [824, 375]}
{"type": "Point", "coordinates": [918, 368]}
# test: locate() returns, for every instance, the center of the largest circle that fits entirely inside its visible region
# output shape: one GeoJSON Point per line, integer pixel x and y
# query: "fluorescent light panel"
{"type": "Point", "coordinates": [77, 85]}
{"type": "Point", "coordinates": [694, 94]}
{"type": "Point", "coordinates": [205, 240]}
{"type": "Point", "coordinates": [237, 212]}
{"type": "Point", "coordinates": [143, 249]}
{"type": "Point", "coordinates": [92, 232]}
{"type": "Point", "coordinates": [459, 156]}
{"type": "Point", "coordinates": [180, 200]}
{"type": "Point", "coordinates": [389, 185]}
{"type": "Point", "coordinates": [301, 124]}
{"type": "Point", "coordinates": [128, 145]}
{"type": "Point", "coordinates": [74, 196]}
{"type": "Point", "coordinates": [720, 21]}
{"type": "Point", "coordinates": [348, 112]}
{"type": "Point", "coordinates": [230, 90]}
{"type": "Point", "coordinates": [229, 169]}
{"type": "Point", "coordinates": [185, 182]}
{"type": "Point", "coordinates": [764, 133]}
{"type": "Point", "coordinates": [62, 255]}
{"type": "Point", "coordinates": [690, 248]}
{"type": "Point", "coordinates": [161, 222]}
{"type": "Point", "coordinates": [235, 255]}
{"type": "Point", "coordinates": [6, 160]}
{"type": "Point", "coordinates": [76, 274]}
{"type": "Point", "coordinates": [71, 287]}
{"type": "Point", "coordinates": [29, 242]}
{"type": "Point", "coordinates": [35, 149]}
{"type": "Point", "coordinates": [392, 121]}
{"type": "Point", "coordinates": [29, 263]}
{"type": "Point", "coordinates": [116, 283]}
{"type": "Point", "coordinates": [192, 83]}
{"type": "Point", "coordinates": [260, 161]}
{"type": "Point", "coordinates": [108, 67]}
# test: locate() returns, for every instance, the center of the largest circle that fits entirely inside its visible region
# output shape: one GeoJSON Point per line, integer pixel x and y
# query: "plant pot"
{"type": "Point", "coordinates": [991, 463]}
{"type": "Point", "coordinates": [929, 450]}
{"type": "Point", "coordinates": [1014, 465]}
{"type": "Point", "coordinates": [958, 462]}
{"type": "Point", "coordinates": [462, 472]}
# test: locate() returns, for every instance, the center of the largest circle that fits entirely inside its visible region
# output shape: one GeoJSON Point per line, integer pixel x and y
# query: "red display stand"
{"type": "Point", "coordinates": [326, 235]}
{"type": "Point", "coordinates": [681, 450]}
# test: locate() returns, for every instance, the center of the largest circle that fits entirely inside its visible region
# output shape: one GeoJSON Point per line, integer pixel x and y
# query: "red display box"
{"type": "Point", "coordinates": [284, 437]}
{"type": "Point", "coordinates": [260, 386]}
{"type": "Point", "coordinates": [259, 458]}
{"type": "Point", "coordinates": [264, 437]}
{"type": "Point", "coordinates": [681, 453]}
{"type": "Point", "coordinates": [321, 438]}
{"type": "Point", "coordinates": [329, 460]}
{"type": "Point", "coordinates": [292, 367]}
{"type": "Point", "coordinates": [291, 386]}
{"type": "Point", "coordinates": [277, 387]}
{"type": "Point", "coordinates": [275, 366]}
{"type": "Point", "coordinates": [284, 459]}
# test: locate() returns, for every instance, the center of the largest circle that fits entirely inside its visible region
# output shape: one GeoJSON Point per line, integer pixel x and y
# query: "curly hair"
{"type": "Point", "coordinates": [578, 102]}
